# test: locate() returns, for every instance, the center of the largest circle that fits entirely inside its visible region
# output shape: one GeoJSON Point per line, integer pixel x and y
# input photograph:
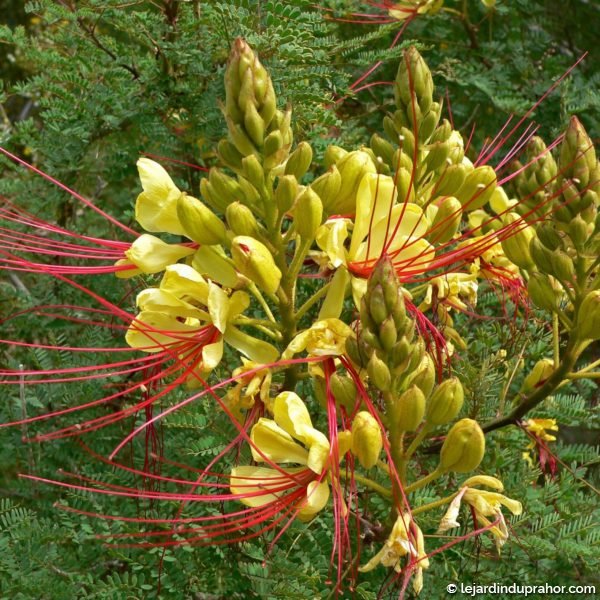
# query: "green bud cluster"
{"type": "Point", "coordinates": [385, 343]}
{"type": "Point", "coordinates": [535, 174]}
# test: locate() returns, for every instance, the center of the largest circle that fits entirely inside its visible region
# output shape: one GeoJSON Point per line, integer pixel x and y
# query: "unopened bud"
{"type": "Point", "coordinates": [463, 448]}
{"type": "Point", "coordinates": [548, 235]}
{"type": "Point", "coordinates": [446, 221]}
{"type": "Point", "coordinates": [241, 220]}
{"type": "Point", "coordinates": [377, 307]}
{"type": "Point", "coordinates": [542, 293]}
{"type": "Point", "coordinates": [413, 78]}
{"type": "Point", "coordinates": [299, 161]}
{"type": "Point", "coordinates": [333, 155]}
{"type": "Point", "coordinates": [352, 168]}
{"type": "Point", "coordinates": [562, 265]}
{"type": "Point", "coordinates": [253, 259]}
{"type": "Point", "coordinates": [542, 257]}
{"type": "Point", "coordinates": [383, 149]}
{"type": "Point", "coordinates": [537, 377]}
{"type": "Point", "coordinates": [445, 402]}
{"type": "Point", "coordinates": [516, 244]}
{"type": "Point", "coordinates": [388, 334]}
{"type": "Point", "coordinates": [477, 188]}
{"type": "Point", "coordinates": [328, 185]}
{"type": "Point", "coordinates": [424, 375]}
{"type": "Point", "coordinates": [588, 317]}
{"type": "Point", "coordinates": [379, 373]}
{"type": "Point", "coordinates": [308, 214]}
{"type": "Point", "coordinates": [286, 192]}
{"type": "Point", "coordinates": [577, 154]}
{"type": "Point", "coordinates": [343, 389]}
{"type": "Point", "coordinates": [407, 410]}
{"type": "Point", "coordinates": [366, 439]}
{"type": "Point", "coordinates": [451, 180]}
{"type": "Point", "coordinates": [199, 222]}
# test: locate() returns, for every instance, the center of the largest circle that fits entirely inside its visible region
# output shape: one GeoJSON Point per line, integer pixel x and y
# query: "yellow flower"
{"type": "Point", "coordinates": [248, 387]}
{"type": "Point", "coordinates": [452, 288]}
{"type": "Point", "coordinates": [485, 504]}
{"type": "Point", "coordinates": [186, 312]}
{"type": "Point", "coordinates": [156, 206]}
{"type": "Point", "coordinates": [324, 338]}
{"type": "Point", "coordinates": [406, 538]}
{"type": "Point", "coordinates": [539, 428]}
{"type": "Point", "coordinates": [403, 10]}
{"type": "Point", "coordinates": [288, 438]}
{"type": "Point", "coordinates": [151, 255]}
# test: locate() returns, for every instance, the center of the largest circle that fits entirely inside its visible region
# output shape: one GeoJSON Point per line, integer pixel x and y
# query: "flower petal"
{"type": "Point", "coordinates": [151, 255]}
{"type": "Point", "coordinates": [275, 444]}
{"type": "Point", "coordinates": [317, 495]}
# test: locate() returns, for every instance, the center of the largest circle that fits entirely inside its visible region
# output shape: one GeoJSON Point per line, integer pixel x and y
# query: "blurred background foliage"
{"type": "Point", "coordinates": [87, 86]}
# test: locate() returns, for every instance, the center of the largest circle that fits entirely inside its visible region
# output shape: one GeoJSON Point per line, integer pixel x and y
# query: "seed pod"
{"type": "Point", "coordinates": [299, 160]}
{"type": "Point", "coordinates": [445, 402]}
{"type": "Point", "coordinates": [537, 376]}
{"type": "Point", "coordinates": [407, 410]}
{"type": "Point", "coordinates": [199, 222]}
{"type": "Point", "coordinates": [308, 214]}
{"type": "Point", "coordinates": [463, 448]}
{"type": "Point", "coordinates": [366, 439]}
{"type": "Point", "coordinates": [253, 259]}
{"type": "Point", "coordinates": [588, 317]}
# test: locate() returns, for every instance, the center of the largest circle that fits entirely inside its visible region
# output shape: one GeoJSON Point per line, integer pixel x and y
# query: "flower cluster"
{"type": "Point", "coordinates": [397, 236]}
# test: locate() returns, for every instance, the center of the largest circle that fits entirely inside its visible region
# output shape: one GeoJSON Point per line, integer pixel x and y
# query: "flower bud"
{"type": "Point", "coordinates": [253, 171]}
{"type": "Point", "coordinates": [383, 149]}
{"type": "Point", "coordinates": [406, 411]}
{"type": "Point", "coordinates": [253, 259]}
{"type": "Point", "coordinates": [388, 334]}
{"type": "Point", "coordinates": [379, 373]}
{"type": "Point", "coordinates": [548, 235]}
{"type": "Point", "coordinates": [437, 155]}
{"type": "Point", "coordinates": [542, 293]}
{"type": "Point", "coordinates": [577, 154]}
{"type": "Point", "coordinates": [199, 222]}
{"type": "Point", "coordinates": [537, 377]}
{"type": "Point", "coordinates": [446, 221]}
{"type": "Point", "coordinates": [333, 155]}
{"type": "Point", "coordinates": [286, 192]}
{"type": "Point", "coordinates": [463, 448]}
{"type": "Point", "coordinates": [229, 155]}
{"type": "Point", "coordinates": [343, 389]}
{"type": "Point", "coordinates": [578, 231]}
{"type": "Point", "coordinates": [377, 307]}
{"type": "Point", "coordinates": [424, 375]}
{"type": "Point", "coordinates": [328, 185]}
{"type": "Point", "coordinates": [413, 77]}
{"type": "Point", "coordinates": [445, 402]}
{"type": "Point", "coordinates": [299, 161]}
{"type": "Point", "coordinates": [588, 317]}
{"type": "Point", "coordinates": [541, 256]}
{"type": "Point", "coordinates": [366, 439]}
{"type": "Point", "coordinates": [562, 265]}
{"type": "Point", "coordinates": [308, 214]}
{"type": "Point", "coordinates": [241, 220]}
{"type": "Point", "coordinates": [516, 244]}
{"type": "Point", "coordinates": [352, 168]}
{"type": "Point", "coordinates": [478, 187]}
{"type": "Point", "coordinates": [451, 180]}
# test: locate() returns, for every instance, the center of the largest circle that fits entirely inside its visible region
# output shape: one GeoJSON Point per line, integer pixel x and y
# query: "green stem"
{"type": "Point", "coordinates": [372, 485]}
{"type": "Point", "coordinates": [587, 375]}
{"type": "Point", "coordinates": [417, 485]}
{"type": "Point", "coordinates": [417, 441]}
{"type": "Point", "coordinates": [262, 325]}
{"type": "Point", "coordinates": [555, 338]}
{"type": "Point", "coordinates": [311, 301]}
{"type": "Point", "coordinates": [431, 505]}
{"type": "Point", "coordinates": [261, 300]}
